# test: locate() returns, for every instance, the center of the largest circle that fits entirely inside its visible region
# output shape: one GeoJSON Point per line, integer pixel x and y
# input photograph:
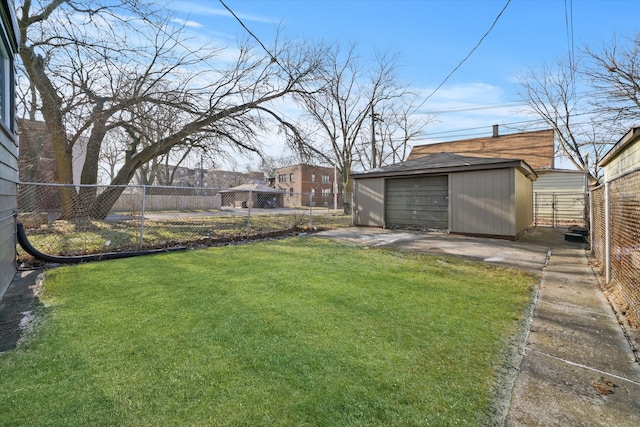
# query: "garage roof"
{"type": "Point", "coordinates": [257, 188]}
{"type": "Point", "coordinates": [441, 163]}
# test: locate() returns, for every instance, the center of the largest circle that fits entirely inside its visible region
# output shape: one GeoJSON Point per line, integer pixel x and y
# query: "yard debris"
{"type": "Point", "coordinates": [605, 386]}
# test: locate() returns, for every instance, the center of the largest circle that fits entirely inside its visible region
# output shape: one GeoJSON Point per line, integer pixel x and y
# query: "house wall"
{"type": "Point", "coordinates": [368, 198]}
{"type": "Point", "coordinates": [8, 147]}
{"type": "Point", "coordinates": [483, 202]}
{"type": "Point", "coordinates": [627, 161]}
{"type": "Point", "coordinates": [8, 206]}
{"type": "Point", "coordinates": [559, 181]}
{"type": "Point", "coordinates": [536, 148]}
{"type": "Point", "coordinates": [523, 202]}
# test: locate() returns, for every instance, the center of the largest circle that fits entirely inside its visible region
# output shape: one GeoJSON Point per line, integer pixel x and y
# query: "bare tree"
{"type": "Point", "coordinates": [614, 74]}
{"type": "Point", "coordinates": [111, 155]}
{"type": "Point", "coordinates": [392, 130]}
{"type": "Point", "coordinates": [586, 126]}
{"type": "Point", "coordinates": [549, 91]}
{"type": "Point", "coordinates": [347, 98]}
{"type": "Point", "coordinates": [97, 64]}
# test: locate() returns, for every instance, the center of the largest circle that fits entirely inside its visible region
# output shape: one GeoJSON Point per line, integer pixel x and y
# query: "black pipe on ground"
{"type": "Point", "coordinates": [28, 248]}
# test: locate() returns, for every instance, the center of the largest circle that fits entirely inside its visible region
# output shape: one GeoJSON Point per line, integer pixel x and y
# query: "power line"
{"type": "Point", "coordinates": [568, 19]}
{"type": "Point", "coordinates": [505, 104]}
{"type": "Point", "coordinates": [495, 21]}
{"type": "Point", "coordinates": [273, 58]}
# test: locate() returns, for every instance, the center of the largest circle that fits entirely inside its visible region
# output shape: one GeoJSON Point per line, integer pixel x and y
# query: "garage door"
{"type": "Point", "coordinates": [420, 202]}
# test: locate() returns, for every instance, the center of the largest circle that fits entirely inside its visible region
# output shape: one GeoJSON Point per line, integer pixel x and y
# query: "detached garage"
{"type": "Point", "coordinates": [460, 194]}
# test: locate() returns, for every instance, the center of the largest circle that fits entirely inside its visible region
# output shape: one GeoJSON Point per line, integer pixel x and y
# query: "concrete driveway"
{"type": "Point", "coordinates": [530, 253]}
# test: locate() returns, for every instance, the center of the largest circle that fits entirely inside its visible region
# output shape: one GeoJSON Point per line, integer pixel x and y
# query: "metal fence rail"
{"type": "Point", "coordinates": [616, 240]}
{"type": "Point", "coordinates": [146, 217]}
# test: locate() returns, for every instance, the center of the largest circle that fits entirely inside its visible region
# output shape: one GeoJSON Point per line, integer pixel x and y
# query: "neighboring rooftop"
{"type": "Point", "coordinates": [536, 148]}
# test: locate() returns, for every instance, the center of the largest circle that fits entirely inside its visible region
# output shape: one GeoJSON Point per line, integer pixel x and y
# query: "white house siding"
{"type": "Point", "coordinates": [627, 161]}
{"type": "Point", "coordinates": [369, 202]}
{"type": "Point", "coordinates": [559, 181]}
{"type": "Point", "coordinates": [483, 202]}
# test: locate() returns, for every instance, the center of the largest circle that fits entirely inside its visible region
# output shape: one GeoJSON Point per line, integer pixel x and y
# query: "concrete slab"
{"type": "Point", "coordinates": [578, 368]}
{"type": "Point", "coordinates": [525, 256]}
{"type": "Point", "coordinates": [551, 392]}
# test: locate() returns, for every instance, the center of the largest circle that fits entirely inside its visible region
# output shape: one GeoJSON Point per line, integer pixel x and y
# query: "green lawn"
{"type": "Point", "coordinates": [301, 331]}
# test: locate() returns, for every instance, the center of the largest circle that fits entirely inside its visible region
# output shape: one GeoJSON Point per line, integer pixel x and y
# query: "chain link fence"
{"type": "Point", "coordinates": [624, 241]}
{"type": "Point", "coordinates": [558, 209]}
{"type": "Point", "coordinates": [71, 220]}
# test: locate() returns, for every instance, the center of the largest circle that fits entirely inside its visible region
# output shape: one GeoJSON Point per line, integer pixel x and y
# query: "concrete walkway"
{"type": "Point", "coordinates": [577, 367]}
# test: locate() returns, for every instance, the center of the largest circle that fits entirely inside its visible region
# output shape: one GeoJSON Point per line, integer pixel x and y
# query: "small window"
{"type": "Point", "coordinates": [6, 87]}
{"type": "Point", "coordinates": [313, 191]}
{"type": "Point", "coordinates": [326, 192]}
{"type": "Point", "coordinates": [282, 178]}
{"type": "Point", "coordinates": [291, 192]}
{"type": "Point", "coordinates": [326, 179]}
{"type": "Point", "coordinates": [313, 177]}
{"type": "Point", "coordinates": [290, 177]}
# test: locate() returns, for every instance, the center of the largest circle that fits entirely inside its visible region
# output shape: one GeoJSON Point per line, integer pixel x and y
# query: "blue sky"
{"type": "Point", "coordinates": [432, 37]}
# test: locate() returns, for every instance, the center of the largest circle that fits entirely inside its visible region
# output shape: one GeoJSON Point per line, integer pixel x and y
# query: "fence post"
{"type": "Point", "coordinates": [590, 198]}
{"type": "Point", "coordinates": [249, 203]}
{"type": "Point", "coordinates": [607, 234]}
{"type": "Point", "coordinates": [142, 210]}
{"type": "Point", "coordinates": [310, 211]}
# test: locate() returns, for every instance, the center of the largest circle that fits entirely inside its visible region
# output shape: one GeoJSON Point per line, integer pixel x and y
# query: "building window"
{"type": "Point", "coordinates": [290, 177]}
{"type": "Point", "coordinates": [313, 191]}
{"type": "Point", "coordinates": [326, 192]}
{"type": "Point", "coordinates": [6, 86]}
{"type": "Point", "coordinates": [291, 192]}
{"type": "Point", "coordinates": [282, 178]}
{"type": "Point", "coordinates": [326, 179]}
{"type": "Point", "coordinates": [313, 177]}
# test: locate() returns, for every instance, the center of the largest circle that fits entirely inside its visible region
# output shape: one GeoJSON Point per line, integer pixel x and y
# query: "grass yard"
{"type": "Point", "coordinates": [301, 331]}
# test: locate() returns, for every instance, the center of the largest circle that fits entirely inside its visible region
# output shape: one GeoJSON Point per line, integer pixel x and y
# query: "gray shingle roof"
{"type": "Point", "coordinates": [442, 163]}
{"type": "Point", "coordinates": [258, 188]}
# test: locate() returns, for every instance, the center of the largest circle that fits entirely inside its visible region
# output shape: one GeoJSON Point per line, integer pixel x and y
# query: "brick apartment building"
{"type": "Point", "coordinates": [308, 185]}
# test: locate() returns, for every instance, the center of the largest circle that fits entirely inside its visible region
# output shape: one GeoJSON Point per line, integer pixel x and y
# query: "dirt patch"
{"type": "Point", "coordinates": [16, 307]}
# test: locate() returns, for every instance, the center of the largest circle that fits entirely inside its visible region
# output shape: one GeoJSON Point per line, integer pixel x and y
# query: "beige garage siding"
{"type": "Point", "coordinates": [368, 199]}
{"type": "Point", "coordinates": [483, 202]}
{"type": "Point", "coordinates": [417, 202]}
{"type": "Point", "coordinates": [524, 202]}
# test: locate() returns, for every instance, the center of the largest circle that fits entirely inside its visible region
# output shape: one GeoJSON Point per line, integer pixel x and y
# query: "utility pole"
{"type": "Point", "coordinates": [335, 186]}
{"type": "Point", "coordinates": [201, 171]}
